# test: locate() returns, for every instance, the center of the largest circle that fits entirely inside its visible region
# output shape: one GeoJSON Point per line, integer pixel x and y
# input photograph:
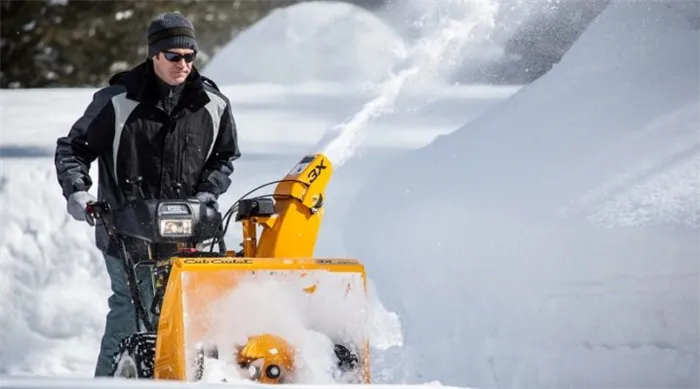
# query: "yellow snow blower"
{"type": "Point", "coordinates": [266, 312]}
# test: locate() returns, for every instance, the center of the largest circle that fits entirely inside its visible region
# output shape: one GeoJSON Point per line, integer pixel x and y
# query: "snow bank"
{"type": "Point", "coordinates": [52, 280]}
{"type": "Point", "coordinates": [553, 241]}
{"type": "Point", "coordinates": [310, 41]}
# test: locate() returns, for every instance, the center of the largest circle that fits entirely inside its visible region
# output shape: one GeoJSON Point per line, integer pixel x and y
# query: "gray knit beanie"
{"type": "Point", "coordinates": [170, 30]}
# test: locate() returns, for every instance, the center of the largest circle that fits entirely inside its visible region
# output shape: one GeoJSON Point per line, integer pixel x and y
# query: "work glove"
{"type": "Point", "coordinates": [208, 199]}
{"type": "Point", "coordinates": [77, 202]}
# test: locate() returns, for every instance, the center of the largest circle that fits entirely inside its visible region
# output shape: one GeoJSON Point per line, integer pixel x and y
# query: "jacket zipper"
{"type": "Point", "coordinates": [182, 151]}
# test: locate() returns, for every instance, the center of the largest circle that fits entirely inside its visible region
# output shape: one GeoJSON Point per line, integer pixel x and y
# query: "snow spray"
{"type": "Point", "coordinates": [447, 29]}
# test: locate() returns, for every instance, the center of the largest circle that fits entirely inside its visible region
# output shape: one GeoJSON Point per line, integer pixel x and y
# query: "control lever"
{"type": "Point", "coordinates": [178, 189]}
{"type": "Point", "coordinates": [95, 210]}
{"type": "Point", "coordinates": [136, 185]}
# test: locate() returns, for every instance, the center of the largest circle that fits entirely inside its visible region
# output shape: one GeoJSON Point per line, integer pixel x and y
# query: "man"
{"type": "Point", "coordinates": [160, 121]}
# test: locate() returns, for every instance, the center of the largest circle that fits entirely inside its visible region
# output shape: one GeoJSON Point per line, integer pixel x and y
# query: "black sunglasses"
{"type": "Point", "coordinates": [176, 57]}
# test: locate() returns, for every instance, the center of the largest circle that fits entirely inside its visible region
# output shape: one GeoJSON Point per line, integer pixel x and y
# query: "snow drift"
{"type": "Point", "coordinates": [553, 241]}
{"type": "Point", "coordinates": [309, 41]}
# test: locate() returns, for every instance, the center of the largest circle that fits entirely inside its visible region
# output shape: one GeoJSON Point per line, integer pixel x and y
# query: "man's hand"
{"type": "Point", "coordinates": [207, 198]}
{"type": "Point", "coordinates": [77, 203]}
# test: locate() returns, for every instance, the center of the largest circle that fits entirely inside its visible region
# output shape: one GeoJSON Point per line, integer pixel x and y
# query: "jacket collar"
{"type": "Point", "coordinates": [141, 85]}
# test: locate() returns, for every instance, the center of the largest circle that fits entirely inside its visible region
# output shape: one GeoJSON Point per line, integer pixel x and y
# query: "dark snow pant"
{"type": "Point", "coordinates": [121, 318]}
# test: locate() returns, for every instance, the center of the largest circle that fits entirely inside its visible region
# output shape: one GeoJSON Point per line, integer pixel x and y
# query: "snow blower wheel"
{"type": "Point", "coordinates": [135, 357]}
{"type": "Point", "coordinates": [347, 360]}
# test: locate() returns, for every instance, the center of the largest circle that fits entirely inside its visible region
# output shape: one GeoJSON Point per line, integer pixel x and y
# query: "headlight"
{"type": "Point", "coordinates": [175, 227]}
{"type": "Point", "coordinates": [175, 220]}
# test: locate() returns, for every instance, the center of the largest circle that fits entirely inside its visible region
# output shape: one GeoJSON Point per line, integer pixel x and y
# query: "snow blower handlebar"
{"type": "Point", "coordinates": [289, 225]}
{"type": "Point", "coordinates": [186, 222]}
{"type": "Point", "coordinates": [96, 210]}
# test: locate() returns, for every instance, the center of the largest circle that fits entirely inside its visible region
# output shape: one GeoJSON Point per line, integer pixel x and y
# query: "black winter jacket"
{"type": "Point", "coordinates": [126, 129]}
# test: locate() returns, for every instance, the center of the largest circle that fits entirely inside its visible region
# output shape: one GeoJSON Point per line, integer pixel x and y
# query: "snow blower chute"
{"type": "Point", "coordinates": [235, 307]}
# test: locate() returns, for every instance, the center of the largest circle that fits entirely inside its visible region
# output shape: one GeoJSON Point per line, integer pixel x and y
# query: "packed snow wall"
{"type": "Point", "coordinates": [553, 241]}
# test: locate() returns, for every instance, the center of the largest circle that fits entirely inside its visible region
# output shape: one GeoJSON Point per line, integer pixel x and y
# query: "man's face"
{"type": "Point", "coordinates": [172, 66]}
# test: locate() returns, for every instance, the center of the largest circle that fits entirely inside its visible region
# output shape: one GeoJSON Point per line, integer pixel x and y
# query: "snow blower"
{"type": "Point", "coordinates": [231, 306]}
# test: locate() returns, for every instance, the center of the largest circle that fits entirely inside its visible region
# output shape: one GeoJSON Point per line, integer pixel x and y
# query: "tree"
{"type": "Point", "coordinates": [81, 43]}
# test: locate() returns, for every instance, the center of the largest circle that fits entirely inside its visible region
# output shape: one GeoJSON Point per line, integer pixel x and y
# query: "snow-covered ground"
{"type": "Point", "coordinates": [536, 236]}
